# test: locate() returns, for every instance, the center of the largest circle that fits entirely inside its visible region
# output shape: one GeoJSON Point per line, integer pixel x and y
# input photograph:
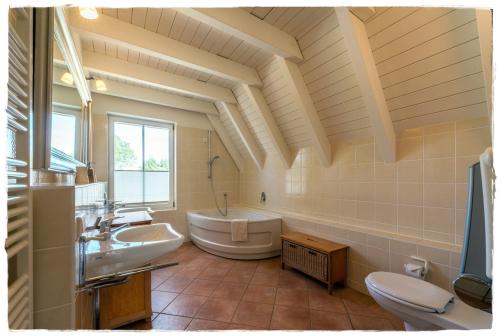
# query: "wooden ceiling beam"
{"type": "Point", "coordinates": [127, 35]}
{"type": "Point", "coordinates": [113, 67]}
{"type": "Point", "coordinates": [484, 21]}
{"type": "Point", "coordinates": [356, 40]}
{"type": "Point", "coordinates": [143, 94]}
{"type": "Point", "coordinates": [248, 140]}
{"type": "Point", "coordinates": [259, 103]}
{"type": "Point", "coordinates": [312, 125]}
{"type": "Point", "coordinates": [249, 28]}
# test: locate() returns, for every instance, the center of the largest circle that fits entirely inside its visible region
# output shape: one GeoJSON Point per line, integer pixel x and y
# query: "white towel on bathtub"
{"type": "Point", "coordinates": [239, 230]}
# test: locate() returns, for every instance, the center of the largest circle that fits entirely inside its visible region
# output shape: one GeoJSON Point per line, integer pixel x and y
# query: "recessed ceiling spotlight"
{"type": "Point", "coordinates": [67, 78]}
{"type": "Point", "coordinates": [89, 12]}
{"type": "Point", "coordinates": [100, 85]}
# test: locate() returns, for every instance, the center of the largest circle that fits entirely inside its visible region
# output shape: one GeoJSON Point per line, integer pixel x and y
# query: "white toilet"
{"type": "Point", "coordinates": [422, 305]}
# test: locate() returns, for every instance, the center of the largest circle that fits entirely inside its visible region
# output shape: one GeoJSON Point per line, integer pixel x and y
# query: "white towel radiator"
{"type": "Point", "coordinates": [18, 244]}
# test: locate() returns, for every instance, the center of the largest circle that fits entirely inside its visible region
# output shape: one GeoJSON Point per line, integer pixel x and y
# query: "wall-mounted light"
{"type": "Point", "coordinates": [100, 85]}
{"type": "Point", "coordinates": [67, 78]}
{"type": "Point", "coordinates": [89, 12]}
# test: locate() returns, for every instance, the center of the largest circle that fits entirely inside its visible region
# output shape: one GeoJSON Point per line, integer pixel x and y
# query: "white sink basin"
{"type": "Point", "coordinates": [130, 247]}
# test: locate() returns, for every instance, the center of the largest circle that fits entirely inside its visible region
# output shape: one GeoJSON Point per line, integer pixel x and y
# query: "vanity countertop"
{"type": "Point", "coordinates": [132, 218]}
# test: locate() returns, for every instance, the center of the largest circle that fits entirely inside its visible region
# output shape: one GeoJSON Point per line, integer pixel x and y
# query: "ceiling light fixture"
{"type": "Point", "coordinates": [67, 78]}
{"type": "Point", "coordinates": [100, 85]}
{"type": "Point", "coordinates": [89, 12]}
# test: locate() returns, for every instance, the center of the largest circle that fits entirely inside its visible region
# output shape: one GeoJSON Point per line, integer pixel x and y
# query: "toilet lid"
{"type": "Point", "coordinates": [415, 292]}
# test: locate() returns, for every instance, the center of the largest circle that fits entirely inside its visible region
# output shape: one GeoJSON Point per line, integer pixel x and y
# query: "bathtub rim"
{"type": "Point", "coordinates": [199, 214]}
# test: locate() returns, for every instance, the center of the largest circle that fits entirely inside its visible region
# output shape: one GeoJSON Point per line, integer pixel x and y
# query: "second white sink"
{"type": "Point", "coordinates": [146, 233]}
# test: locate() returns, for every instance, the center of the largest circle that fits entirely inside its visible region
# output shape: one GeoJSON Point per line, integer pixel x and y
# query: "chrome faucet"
{"type": "Point", "coordinates": [105, 226]}
{"type": "Point", "coordinates": [109, 204]}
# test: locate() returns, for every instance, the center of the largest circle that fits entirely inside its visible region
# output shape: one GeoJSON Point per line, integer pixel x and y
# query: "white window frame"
{"type": "Point", "coordinates": [112, 119]}
{"type": "Point", "coordinates": [77, 113]}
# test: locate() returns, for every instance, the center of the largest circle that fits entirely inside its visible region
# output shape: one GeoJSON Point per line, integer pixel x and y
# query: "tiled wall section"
{"type": "Point", "coordinates": [41, 176]}
{"type": "Point", "coordinates": [89, 194]}
{"type": "Point", "coordinates": [422, 195]}
{"type": "Point", "coordinates": [369, 252]}
{"type": "Point", "coordinates": [193, 186]}
{"type": "Point", "coordinates": [53, 256]}
{"type": "Point", "coordinates": [419, 200]}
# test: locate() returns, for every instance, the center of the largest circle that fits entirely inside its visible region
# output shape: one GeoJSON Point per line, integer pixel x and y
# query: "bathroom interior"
{"type": "Point", "coordinates": [249, 168]}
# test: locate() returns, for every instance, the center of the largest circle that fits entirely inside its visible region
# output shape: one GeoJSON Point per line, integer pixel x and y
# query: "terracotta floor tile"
{"type": "Point", "coordinates": [137, 325]}
{"type": "Point", "coordinates": [175, 284]}
{"type": "Point", "coordinates": [217, 310]}
{"type": "Point", "coordinates": [370, 323]}
{"type": "Point", "coordinates": [160, 300]}
{"type": "Point", "coordinates": [170, 322]}
{"type": "Point", "coordinates": [245, 265]}
{"type": "Point", "coordinates": [227, 281]}
{"type": "Point", "coordinates": [265, 279]}
{"type": "Point", "coordinates": [225, 264]}
{"type": "Point", "coordinates": [199, 263]}
{"type": "Point", "coordinates": [238, 276]}
{"type": "Point", "coordinates": [228, 290]}
{"type": "Point", "coordinates": [236, 326]}
{"type": "Point", "coordinates": [254, 314]}
{"type": "Point", "coordinates": [314, 285]}
{"type": "Point", "coordinates": [197, 324]}
{"type": "Point", "coordinates": [292, 279]}
{"type": "Point", "coordinates": [371, 309]}
{"type": "Point", "coordinates": [156, 281]}
{"type": "Point", "coordinates": [322, 320]}
{"type": "Point", "coordinates": [326, 302]}
{"type": "Point", "coordinates": [290, 318]}
{"type": "Point", "coordinates": [185, 305]}
{"type": "Point", "coordinates": [201, 287]}
{"type": "Point", "coordinates": [292, 297]}
{"type": "Point", "coordinates": [189, 272]}
{"type": "Point", "coordinates": [213, 273]}
{"type": "Point", "coordinates": [166, 272]}
{"type": "Point", "coordinates": [260, 294]}
{"type": "Point", "coordinates": [269, 266]}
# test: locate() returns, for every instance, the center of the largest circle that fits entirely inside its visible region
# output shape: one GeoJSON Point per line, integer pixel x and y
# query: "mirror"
{"type": "Point", "coordinates": [58, 127]}
{"type": "Point", "coordinates": [473, 285]}
{"type": "Point", "coordinates": [66, 118]}
{"type": "Point", "coordinates": [473, 291]}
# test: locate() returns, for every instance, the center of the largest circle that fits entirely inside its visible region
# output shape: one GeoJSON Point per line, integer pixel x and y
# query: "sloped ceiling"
{"type": "Point", "coordinates": [428, 62]}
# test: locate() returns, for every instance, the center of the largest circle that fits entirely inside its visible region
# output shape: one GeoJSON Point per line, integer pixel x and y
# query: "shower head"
{"type": "Point", "coordinates": [211, 161]}
{"type": "Point", "coordinates": [210, 164]}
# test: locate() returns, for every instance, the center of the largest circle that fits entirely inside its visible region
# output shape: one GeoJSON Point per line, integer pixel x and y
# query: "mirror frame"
{"type": "Point", "coordinates": [51, 26]}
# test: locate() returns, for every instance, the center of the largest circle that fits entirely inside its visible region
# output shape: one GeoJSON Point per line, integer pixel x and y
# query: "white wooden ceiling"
{"type": "Point", "coordinates": [428, 62]}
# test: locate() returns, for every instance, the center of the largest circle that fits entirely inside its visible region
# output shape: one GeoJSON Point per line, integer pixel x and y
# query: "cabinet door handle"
{"type": "Point", "coordinates": [312, 253]}
{"type": "Point", "coordinates": [292, 246]}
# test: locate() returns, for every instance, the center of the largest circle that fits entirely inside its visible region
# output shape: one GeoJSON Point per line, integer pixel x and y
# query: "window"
{"type": "Point", "coordinates": [65, 137]}
{"type": "Point", "coordinates": [141, 160]}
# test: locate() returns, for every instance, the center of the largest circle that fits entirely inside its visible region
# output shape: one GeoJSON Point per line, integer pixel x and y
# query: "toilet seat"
{"type": "Point", "coordinates": [412, 300]}
{"type": "Point", "coordinates": [409, 291]}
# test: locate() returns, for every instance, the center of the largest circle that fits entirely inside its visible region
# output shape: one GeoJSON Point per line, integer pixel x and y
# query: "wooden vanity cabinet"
{"type": "Point", "coordinates": [120, 304]}
{"type": "Point", "coordinates": [126, 303]}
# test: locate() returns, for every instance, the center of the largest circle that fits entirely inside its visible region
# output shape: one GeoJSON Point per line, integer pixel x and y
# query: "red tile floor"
{"type": "Point", "coordinates": [206, 292]}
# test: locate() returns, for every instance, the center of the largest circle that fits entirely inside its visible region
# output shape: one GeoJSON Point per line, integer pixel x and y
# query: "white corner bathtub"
{"type": "Point", "coordinates": [211, 232]}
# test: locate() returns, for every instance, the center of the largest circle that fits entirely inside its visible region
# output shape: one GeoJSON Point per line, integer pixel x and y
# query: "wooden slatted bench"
{"type": "Point", "coordinates": [320, 258]}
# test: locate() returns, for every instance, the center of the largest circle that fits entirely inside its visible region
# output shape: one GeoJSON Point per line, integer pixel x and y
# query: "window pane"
{"type": "Point", "coordinates": [157, 187]}
{"type": "Point", "coordinates": [128, 146]}
{"type": "Point", "coordinates": [156, 149]}
{"type": "Point", "coordinates": [128, 186]}
{"type": "Point", "coordinates": [63, 133]}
